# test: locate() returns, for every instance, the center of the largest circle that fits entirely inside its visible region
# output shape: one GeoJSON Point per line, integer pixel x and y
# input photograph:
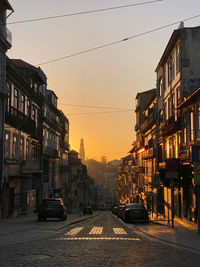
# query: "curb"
{"type": "Point", "coordinates": [160, 239]}
{"type": "Point", "coordinates": [167, 241]}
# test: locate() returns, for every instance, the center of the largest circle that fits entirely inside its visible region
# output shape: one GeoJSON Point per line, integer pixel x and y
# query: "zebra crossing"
{"type": "Point", "coordinates": [96, 233]}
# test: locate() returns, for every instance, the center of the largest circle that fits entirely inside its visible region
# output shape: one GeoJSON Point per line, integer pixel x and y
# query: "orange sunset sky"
{"type": "Point", "coordinates": [106, 78]}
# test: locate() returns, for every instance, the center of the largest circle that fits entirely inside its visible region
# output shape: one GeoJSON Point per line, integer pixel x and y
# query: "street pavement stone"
{"type": "Point", "coordinates": [53, 251]}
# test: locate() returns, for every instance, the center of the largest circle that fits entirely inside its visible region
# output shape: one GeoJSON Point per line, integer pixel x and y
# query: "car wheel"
{"type": "Point", "coordinates": [63, 218]}
{"type": "Point", "coordinates": [44, 218]}
{"type": "Point", "coordinates": [39, 218]}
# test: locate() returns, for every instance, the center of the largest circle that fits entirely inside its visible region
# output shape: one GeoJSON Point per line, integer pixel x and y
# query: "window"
{"type": "Point", "coordinates": [171, 69]}
{"type": "Point", "coordinates": [9, 96]}
{"type": "Point", "coordinates": [164, 80]}
{"type": "Point", "coordinates": [165, 112]}
{"type": "Point", "coordinates": [27, 148]}
{"type": "Point", "coordinates": [169, 108]}
{"type": "Point", "coordinates": [35, 88]}
{"type": "Point", "coordinates": [178, 96]}
{"type": "Point", "coordinates": [28, 108]}
{"type": "Point", "coordinates": [192, 126]}
{"type": "Point", "coordinates": [7, 144]}
{"type": "Point", "coordinates": [22, 109]}
{"type": "Point", "coordinates": [15, 146]}
{"type": "Point", "coordinates": [185, 135]}
{"type": "Point", "coordinates": [16, 99]}
{"type": "Point", "coordinates": [22, 147]}
{"type": "Point", "coordinates": [35, 153]}
{"type": "Point", "coordinates": [198, 118]}
{"type": "Point", "coordinates": [160, 86]}
{"type": "Point", "coordinates": [34, 114]}
{"type": "Point", "coordinates": [177, 58]}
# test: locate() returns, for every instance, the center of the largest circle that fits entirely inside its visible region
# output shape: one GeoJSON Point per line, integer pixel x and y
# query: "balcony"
{"type": "Point", "coordinates": [51, 152]}
{"type": "Point", "coordinates": [148, 123]}
{"type": "Point", "coordinates": [170, 126]}
{"type": "Point", "coordinates": [150, 154]}
{"type": "Point", "coordinates": [5, 37]}
{"type": "Point", "coordinates": [20, 121]}
{"type": "Point", "coordinates": [185, 154]}
{"type": "Point", "coordinates": [140, 169]}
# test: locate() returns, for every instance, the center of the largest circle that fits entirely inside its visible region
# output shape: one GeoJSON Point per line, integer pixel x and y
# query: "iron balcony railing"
{"type": "Point", "coordinates": [5, 34]}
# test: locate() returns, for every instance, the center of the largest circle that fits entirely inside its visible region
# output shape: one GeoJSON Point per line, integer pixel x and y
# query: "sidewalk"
{"type": "Point", "coordinates": [29, 222]}
{"type": "Point", "coordinates": [183, 234]}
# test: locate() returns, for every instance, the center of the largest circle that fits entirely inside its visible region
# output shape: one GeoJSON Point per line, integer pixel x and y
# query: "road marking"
{"type": "Point", "coordinates": [119, 231]}
{"type": "Point", "coordinates": [74, 231]}
{"type": "Point", "coordinates": [96, 231]}
{"type": "Point", "coordinates": [98, 238]}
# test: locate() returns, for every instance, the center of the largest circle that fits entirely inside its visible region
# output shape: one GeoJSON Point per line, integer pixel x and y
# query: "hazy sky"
{"type": "Point", "coordinates": [109, 77]}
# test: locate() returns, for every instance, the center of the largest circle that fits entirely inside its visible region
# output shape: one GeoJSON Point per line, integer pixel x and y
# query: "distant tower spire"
{"type": "Point", "coordinates": [82, 150]}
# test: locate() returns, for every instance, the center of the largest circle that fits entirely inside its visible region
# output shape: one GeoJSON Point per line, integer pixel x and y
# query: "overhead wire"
{"type": "Point", "coordinates": [84, 12]}
{"type": "Point", "coordinates": [89, 106]}
{"type": "Point", "coordinates": [116, 42]}
{"type": "Point", "coordinates": [101, 112]}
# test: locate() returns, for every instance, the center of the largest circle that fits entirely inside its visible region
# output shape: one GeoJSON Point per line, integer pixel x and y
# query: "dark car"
{"type": "Point", "coordinates": [52, 208]}
{"type": "Point", "coordinates": [87, 210]}
{"type": "Point", "coordinates": [114, 210]}
{"type": "Point", "coordinates": [120, 210]}
{"type": "Point", "coordinates": [138, 213]}
{"type": "Point", "coordinates": [126, 213]}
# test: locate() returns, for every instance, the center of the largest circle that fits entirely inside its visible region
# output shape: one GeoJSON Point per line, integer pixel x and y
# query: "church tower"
{"type": "Point", "coordinates": [82, 150]}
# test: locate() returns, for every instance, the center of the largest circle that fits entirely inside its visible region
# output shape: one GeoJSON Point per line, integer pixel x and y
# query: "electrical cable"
{"type": "Point", "coordinates": [84, 12]}
{"type": "Point", "coordinates": [102, 112]}
{"type": "Point", "coordinates": [89, 106]}
{"type": "Point", "coordinates": [115, 42]}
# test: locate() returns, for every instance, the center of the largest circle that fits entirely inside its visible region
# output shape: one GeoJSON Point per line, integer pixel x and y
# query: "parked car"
{"type": "Point", "coordinates": [120, 210]}
{"type": "Point", "coordinates": [138, 212]}
{"type": "Point", "coordinates": [52, 208]}
{"type": "Point", "coordinates": [87, 210]}
{"type": "Point", "coordinates": [126, 213]}
{"type": "Point", "coordinates": [114, 210]}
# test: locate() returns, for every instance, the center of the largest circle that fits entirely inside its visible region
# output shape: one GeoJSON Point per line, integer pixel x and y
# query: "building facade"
{"type": "Point", "coordinates": [5, 44]}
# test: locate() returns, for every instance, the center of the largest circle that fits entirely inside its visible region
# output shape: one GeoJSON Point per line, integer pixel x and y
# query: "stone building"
{"type": "Point", "coordinates": [178, 76]}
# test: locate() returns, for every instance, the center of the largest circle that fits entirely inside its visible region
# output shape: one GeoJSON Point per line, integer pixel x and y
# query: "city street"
{"type": "Point", "coordinates": [101, 240]}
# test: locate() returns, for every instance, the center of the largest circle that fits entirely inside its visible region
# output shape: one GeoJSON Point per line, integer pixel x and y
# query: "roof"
{"type": "Point", "coordinates": [171, 43]}
{"type": "Point", "coordinates": [7, 5]}
{"type": "Point", "coordinates": [145, 92]}
{"type": "Point", "coordinates": [22, 64]}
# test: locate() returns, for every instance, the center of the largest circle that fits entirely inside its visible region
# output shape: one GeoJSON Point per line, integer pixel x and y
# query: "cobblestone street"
{"type": "Point", "coordinates": [99, 241]}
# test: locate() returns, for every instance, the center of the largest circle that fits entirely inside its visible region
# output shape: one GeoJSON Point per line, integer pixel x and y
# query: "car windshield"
{"type": "Point", "coordinates": [136, 206]}
{"type": "Point", "coordinates": [51, 202]}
